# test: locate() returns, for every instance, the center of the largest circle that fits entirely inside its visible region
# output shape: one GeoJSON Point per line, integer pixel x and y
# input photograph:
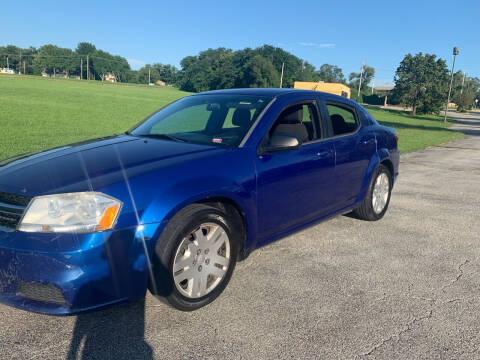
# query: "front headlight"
{"type": "Point", "coordinates": [71, 213]}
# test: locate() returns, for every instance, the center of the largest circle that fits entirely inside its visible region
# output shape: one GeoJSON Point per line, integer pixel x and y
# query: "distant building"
{"type": "Point", "coordinates": [160, 83]}
{"type": "Point", "coordinates": [110, 77]}
{"type": "Point", "coordinates": [383, 91]}
{"type": "Point", "coordinates": [61, 75]}
{"type": "Point", "coordinates": [332, 88]}
{"type": "Point", "coordinates": [7, 71]}
{"type": "Point", "coordinates": [383, 88]}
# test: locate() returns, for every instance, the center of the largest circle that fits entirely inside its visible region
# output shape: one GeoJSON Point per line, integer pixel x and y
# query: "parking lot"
{"type": "Point", "coordinates": [406, 287]}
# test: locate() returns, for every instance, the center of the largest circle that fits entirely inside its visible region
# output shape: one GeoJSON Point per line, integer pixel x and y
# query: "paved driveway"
{"type": "Point", "coordinates": [406, 287]}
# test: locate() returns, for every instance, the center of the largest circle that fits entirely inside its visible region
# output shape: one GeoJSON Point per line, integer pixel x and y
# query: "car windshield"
{"type": "Point", "coordinates": [221, 119]}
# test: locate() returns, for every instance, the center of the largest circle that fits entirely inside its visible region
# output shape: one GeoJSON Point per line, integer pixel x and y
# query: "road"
{"type": "Point", "coordinates": [406, 287]}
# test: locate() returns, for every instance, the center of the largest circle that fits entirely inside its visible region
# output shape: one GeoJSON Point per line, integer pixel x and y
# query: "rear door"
{"type": "Point", "coordinates": [354, 147]}
{"type": "Point", "coordinates": [294, 185]}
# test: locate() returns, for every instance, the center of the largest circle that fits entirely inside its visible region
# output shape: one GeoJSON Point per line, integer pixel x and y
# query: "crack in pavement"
{"type": "Point", "coordinates": [406, 328]}
{"type": "Point", "coordinates": [434, 304]}
{"type": "Point", "coordinates": [459, 275]}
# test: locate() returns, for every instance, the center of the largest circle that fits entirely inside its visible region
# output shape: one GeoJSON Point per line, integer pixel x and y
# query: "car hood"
{"type": "Point", "coordinates": [94, 164]}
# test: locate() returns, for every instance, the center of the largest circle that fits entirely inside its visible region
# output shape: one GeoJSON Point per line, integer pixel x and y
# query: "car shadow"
{"type": "Point", "coordinates": [114, 333]}
{"type": "Point", "coordinates": [351, 215]}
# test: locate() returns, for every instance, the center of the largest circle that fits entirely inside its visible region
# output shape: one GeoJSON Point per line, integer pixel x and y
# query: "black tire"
{"type": "Point", "coordinates": [183, 223]}
{"type": "Point", "coordinates": [366, 211]}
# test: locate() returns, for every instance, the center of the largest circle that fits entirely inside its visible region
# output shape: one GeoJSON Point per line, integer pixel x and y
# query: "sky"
{"type": "Point", "coordinates": [341, 33]}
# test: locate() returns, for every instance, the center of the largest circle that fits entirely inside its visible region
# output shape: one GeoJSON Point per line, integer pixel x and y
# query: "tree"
{"type": "Point", "coordinates": [464, 100]}
{"type": "Point", "coordinates": [52, 58]}
{"type": "Point", "coordinates": [330, 73]}
{"type": "Point", "coordinates": [223, 68]}
{"type": "Point", "coordinates": [259, 72]}
{"type": "Point", "coordinates": [18, 59]}
{"type": "Point", "coordinates": [367, 76]}
{"type": "Point", "coordinates": [142, 74]}
{"type": "Point", "coordinates": [211, 69]}
{"type": "Point", "coordinates": [465, 96]}
{"type": "Point", "coordinates": [421, 82]}
{"type": "Point", "coordinates": [167, 73]}
{"type": "Point", "coordinates": [85, 48]}
{"type": "Point", "coordinates": [101, 63]}
{"type": "Point", "coordinates": [294, 67]}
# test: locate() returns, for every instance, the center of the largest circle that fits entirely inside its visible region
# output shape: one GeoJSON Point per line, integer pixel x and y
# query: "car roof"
{"type": "Point", "coordinates": [275, 92]}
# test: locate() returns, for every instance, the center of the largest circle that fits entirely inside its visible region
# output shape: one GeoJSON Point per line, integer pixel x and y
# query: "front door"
{"type": "Point", "coordinates": [293, 186]}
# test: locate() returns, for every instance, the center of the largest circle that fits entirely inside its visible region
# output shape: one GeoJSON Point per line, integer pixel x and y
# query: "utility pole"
{"type": "Point", "coordinates": [24, 72]}
{"type": "Point", "coordinates": [8, 67]}
{"type": "Point", "coordinates": [88, 70]}
{"type": "Point", "coordinates": [20, 70]}
{"type": "Point", "coordinates": [281, 76]}
{"type": "Point", "coordinates": [463, 81]}
{"type": "Point", "coordinates": [373, 85]}
{"type": "Point", "coordinates": [361, 75]}
{"type": "Point", "coordinates": [455, 53]}
{"type": "Point", "coordinates": [81, 68]}
{"type": "Point", "coordinates": [149, 75]}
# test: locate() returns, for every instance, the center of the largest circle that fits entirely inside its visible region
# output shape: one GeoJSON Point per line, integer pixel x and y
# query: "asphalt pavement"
{"type": "Point", "coordinates": [405, 287]}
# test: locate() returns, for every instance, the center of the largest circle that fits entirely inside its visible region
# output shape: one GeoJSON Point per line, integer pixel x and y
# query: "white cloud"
{"type": "Point", "coordinates": [384, 82]}
{"type": "Point", "coordinates": [321, 45]}
{"type": "Point", "coordinates": [136, 64]}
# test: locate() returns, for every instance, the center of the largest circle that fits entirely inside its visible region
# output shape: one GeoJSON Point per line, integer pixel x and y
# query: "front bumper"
{"type": "Point", "coordinates": [61, 274]}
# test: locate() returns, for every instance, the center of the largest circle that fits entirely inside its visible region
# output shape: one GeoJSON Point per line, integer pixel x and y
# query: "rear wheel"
{"type": "Point", "coordinates": [376, 201]}
{"type": "Point", "coordinates": [194, 257]}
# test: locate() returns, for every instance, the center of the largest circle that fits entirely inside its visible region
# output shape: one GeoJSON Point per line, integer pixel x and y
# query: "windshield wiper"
{"type": "Point", "coordinates": [162, 136]}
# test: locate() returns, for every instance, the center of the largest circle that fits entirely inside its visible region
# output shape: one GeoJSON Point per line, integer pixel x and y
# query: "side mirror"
{"type": "Point", "coordinates": [280, 142]}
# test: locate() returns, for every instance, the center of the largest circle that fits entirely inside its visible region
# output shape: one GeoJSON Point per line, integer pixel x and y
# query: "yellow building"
{"type": "Point", "coordinates": [332, 88]}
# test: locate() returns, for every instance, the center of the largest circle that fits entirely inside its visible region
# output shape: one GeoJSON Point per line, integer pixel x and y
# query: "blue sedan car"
{"type": "Point", "coordinates": [172, 204]}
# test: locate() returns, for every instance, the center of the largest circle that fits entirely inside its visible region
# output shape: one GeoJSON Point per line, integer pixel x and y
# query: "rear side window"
{"type": "Point", "coordinates": [343, 119]}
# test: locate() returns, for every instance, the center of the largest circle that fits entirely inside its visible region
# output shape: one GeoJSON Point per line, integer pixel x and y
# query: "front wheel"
{"type": "Point", "coordinates": [375, 204]}
{"type": "Point", "coordinates": [194, 257]}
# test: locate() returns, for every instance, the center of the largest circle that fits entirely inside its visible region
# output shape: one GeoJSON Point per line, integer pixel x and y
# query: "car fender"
{"type": "Point", "coordinates": [380, 156]}
{"type": "Point", "coordinates": [386, 154]}
{"type": "Point", "coordinates": [170, 201]}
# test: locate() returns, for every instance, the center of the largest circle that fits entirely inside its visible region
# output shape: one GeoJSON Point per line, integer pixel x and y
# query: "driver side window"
{"type": "Point", "coordinates": [298, 120]}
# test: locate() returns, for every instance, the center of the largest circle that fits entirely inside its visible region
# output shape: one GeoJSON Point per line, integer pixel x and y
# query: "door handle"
{"type": "Point", "coordinates": [323, 154]}
{"type": "Point", "coordinates": [369, 142]}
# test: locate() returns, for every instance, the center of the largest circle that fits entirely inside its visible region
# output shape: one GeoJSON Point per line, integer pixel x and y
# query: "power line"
{"type": "Point", "coordinates": [67, 56]}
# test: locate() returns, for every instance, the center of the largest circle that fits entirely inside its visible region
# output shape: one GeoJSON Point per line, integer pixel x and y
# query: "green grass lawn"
{"type": "Point", "coordinates": [416, 132]}
{"type": "Point", "coordinates": [38, 113]}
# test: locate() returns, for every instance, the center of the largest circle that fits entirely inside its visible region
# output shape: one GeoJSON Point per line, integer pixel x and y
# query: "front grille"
{"type": "Point", "coordinates": [12, 207]}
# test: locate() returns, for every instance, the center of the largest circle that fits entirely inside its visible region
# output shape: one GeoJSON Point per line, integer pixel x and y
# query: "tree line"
{"type": "Point", "coordinates": [209, 70]}
{"type": "Point", "coordinates": [421, 80]}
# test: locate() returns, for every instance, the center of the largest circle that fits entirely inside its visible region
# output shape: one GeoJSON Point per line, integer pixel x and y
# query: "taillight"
{"type": "Point", "coordinates": [396, 140]}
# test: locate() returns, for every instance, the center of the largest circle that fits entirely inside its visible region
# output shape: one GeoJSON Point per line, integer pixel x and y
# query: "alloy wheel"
{"type": "Point", "coordinates": [201, 260]}
{"type": "Point", "coordinates": [381, 191]}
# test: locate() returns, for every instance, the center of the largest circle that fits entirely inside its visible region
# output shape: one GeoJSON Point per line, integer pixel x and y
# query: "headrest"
{"type": "Point", "coordinates": [241, 117]}
{"type": "Point", "coordinates": [337, 119]}
{"type": "Point", "coordinates": [293, 115]}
